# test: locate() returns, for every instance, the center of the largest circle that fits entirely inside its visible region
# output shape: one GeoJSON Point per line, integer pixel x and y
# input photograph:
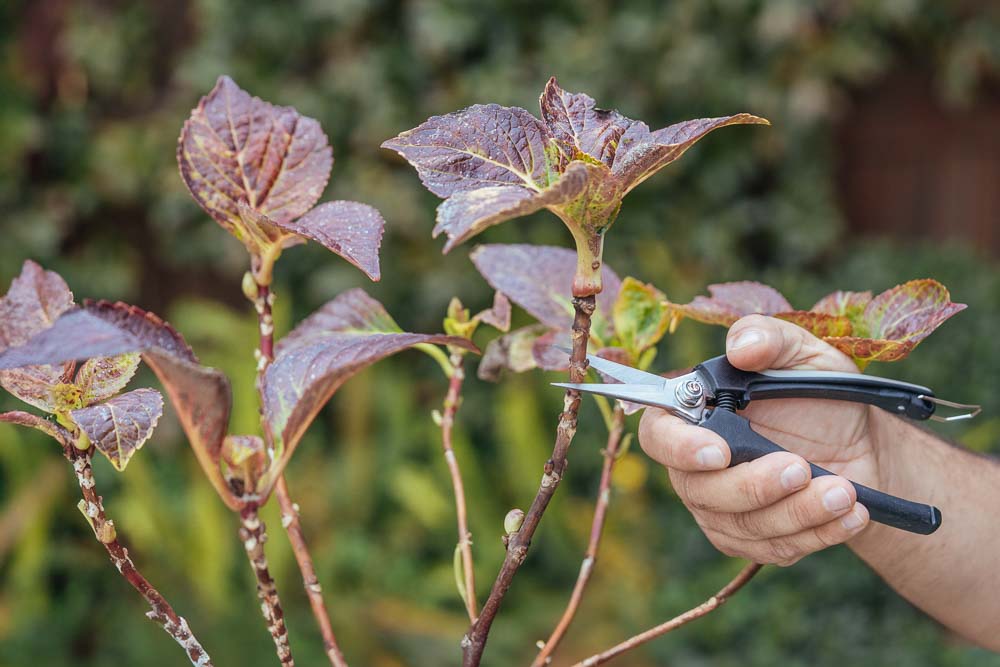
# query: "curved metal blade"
{"type": "Point", "coordinates": [619, 372]}
{"type": "Point", "coordinates": [644, 393]}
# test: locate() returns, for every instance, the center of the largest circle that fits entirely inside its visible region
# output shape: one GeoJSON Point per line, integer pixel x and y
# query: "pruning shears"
{"type": "Point", "coordinates": [709, 396]}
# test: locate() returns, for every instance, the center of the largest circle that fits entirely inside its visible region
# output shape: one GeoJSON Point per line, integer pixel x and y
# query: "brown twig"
{"type": "Point", "coordinates": [253, 534]}
{"type": "Point", "coordinates": [263, 304]}
{"type": "Point", "coordinates": [596, 530]}
{"type": "Point", "coordinates": [474, 642]}
{"type": "Point", "coordinates": [104, 529]}
{"type": "Point", "coordinates": [706, 607]}
{"type": "Point", "coordinates": [451, 403]}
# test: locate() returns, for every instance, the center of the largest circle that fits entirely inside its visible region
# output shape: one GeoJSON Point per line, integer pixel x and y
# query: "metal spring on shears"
{"type": "Point", "coordinates": [726, 401]}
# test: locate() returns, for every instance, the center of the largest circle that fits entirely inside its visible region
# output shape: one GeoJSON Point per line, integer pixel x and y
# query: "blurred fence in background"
{"type": "Point", "coordinates": [92, 98]}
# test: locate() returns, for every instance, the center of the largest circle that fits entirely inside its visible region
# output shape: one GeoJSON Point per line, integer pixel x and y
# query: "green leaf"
{"type": "Point", "coordinates": [120, 426]}
{"type": "Point", "coordinates": [640, 315]}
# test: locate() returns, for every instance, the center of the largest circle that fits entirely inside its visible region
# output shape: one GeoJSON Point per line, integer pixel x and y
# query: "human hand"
{"type": "Point", "coordinates": [770, 510]}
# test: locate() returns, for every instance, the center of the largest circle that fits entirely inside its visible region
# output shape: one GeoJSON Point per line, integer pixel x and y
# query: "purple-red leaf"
{"type": "Point", "coordinates": [201, 396]}
{"type": "Point", "coordinates": [61, 435]}
{"type": "Point", "coordinates": [485, 145]}
{"type": "Point", "coordinates": [513, 352]}
{"type": "Point", "coordinates": [350, 229]}
{"type": "Point", "coordinates": [729, 302]}
{"type": "Point", "coordinates": [35, 300]}
{"type": "Point", "coordinates": [546, 352]}
{"type": "Point", "coordinates": [120, 426]}
{"type": "Point", "coordinates": [540, 280]}
{"type": "Point", "coordinates": [238, 148]}
{"type": "Point", "coordinates": [346, 335]}
{"type": "Point", "coordinates": [642, 153]}
{"type": "Point", "coordinates": [467, 213]}
{"type": "Point", "coordinates": [498, 316]}
{"type": "Point", "coordinates": [579, 126]}
{"type": "Point", "coordinates": [495, 163]}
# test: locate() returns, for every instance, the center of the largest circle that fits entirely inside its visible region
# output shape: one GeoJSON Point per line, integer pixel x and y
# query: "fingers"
{"type": "Point", "coordinates": [788, 550]}
{"type": "Point", "coordinates": [816, 503]}
{"type": "Point", "coordinates": [756, 343]}
{"type": "Point", "coordinates": [679, 445]}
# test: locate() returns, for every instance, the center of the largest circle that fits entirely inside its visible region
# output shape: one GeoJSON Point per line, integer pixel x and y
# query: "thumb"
{"type": "Point", "coordinates": [756, 343]}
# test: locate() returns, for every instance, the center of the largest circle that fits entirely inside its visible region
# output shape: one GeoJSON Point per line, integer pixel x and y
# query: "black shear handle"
{"type": "Point", "coordinates": [747, 445]}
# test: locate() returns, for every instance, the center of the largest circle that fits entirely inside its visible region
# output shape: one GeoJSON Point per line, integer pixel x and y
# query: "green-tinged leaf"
{"type": "Point", "coordinates": [460, 323]}
{"type": "Point", "coordinates": [35, 299]}
{"type": "Point", "coordinates": [640, 316]}
{"type": "Point", "coordinates": [511, 352]}
{"type": "Point", "coordinates": [346, 335]}
{"type": "Point", "coordinates": [540, 280]}
{"type": "Point", "coordinates": [895, 321]}
{"type": "Point", "coordinates": [821, 325]}
{"type": "Point", "coordinates": [246, 461]}
{"type": "Point", "coordinates": [884, 328]}
{"type": "Point", "coordinates": [238, 148]}
{"type": "Point", "coordinates": [849, 304]}
{"type": "Point", "coordinates": [101, 378]}
{"type": "Point", "coordinates": [459, 572]}
{"type": "Point", "coordinates": [121, 425]}
{"type": "Point", "coordinates": [729, 302]}
{"type": "Point", "coordinates": [50, 428]}
{"type": "Point", "coordinates": [200, 395]}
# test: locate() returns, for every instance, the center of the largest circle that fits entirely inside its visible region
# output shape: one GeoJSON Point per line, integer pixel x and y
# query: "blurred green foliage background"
{"type": "Point", "coordinates": [92, 97]}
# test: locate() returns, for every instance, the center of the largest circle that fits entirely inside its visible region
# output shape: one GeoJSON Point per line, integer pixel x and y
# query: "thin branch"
{"type": "Point", "coordinates": [596, 530]}
{"type": "Point", "coordinates": [292, 526]}
{"type": "Point", "coordinates": [706, 607]}
{"type": "Point", "coordinates": [253, 534]}
{"type": "Point", "coordinates": [451, 403]}
{"type": "Point", "coordinates": [263, 304]}
{"type": "Point", "coordinates": [160, 612]}
{"type": "Point", "coordinates": [474, 642]}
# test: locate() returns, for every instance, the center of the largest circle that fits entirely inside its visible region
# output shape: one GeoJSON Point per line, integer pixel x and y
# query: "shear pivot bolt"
{"type": "Point", "coordinates": [690, 393]}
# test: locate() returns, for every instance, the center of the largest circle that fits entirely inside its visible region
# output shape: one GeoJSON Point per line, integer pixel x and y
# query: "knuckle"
{"type": "Point", "coordinates": [783, 551]}
{"type": "Point", "coordinates": [746, 524]}
{"type": "Point", "coordinates": [753, 490]}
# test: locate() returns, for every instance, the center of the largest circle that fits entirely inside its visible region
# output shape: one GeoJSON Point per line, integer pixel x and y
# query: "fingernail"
{"type": "Point", "coordinates": [852, 521]}
{"type": "Point", "coordinates": [836, 500]}
{"type": "Point", "coordinates": [746, 339]}
{"type": "Point", "coordinates": [794, 476]}
{"type": "Point", "coordinates": [711, 457]}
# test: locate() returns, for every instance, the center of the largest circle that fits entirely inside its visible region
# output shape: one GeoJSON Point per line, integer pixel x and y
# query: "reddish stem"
{"type": "Point", "coordinates": [596, 530]}
{"type": "Point", "coordinates": [290, 521]}
{"type": "Point", "coordinates": [289, 509]}
{"type": "Point", "coordinates": [104, 529]}
{"type": "Point", "coordinates": [706, 607]}
{"type": "Point", "coordinates": [451, 403]}
{"type": "Point", "coordinates": [253, 534]}
{"type": "Point", "coordinates": [474, 642]}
